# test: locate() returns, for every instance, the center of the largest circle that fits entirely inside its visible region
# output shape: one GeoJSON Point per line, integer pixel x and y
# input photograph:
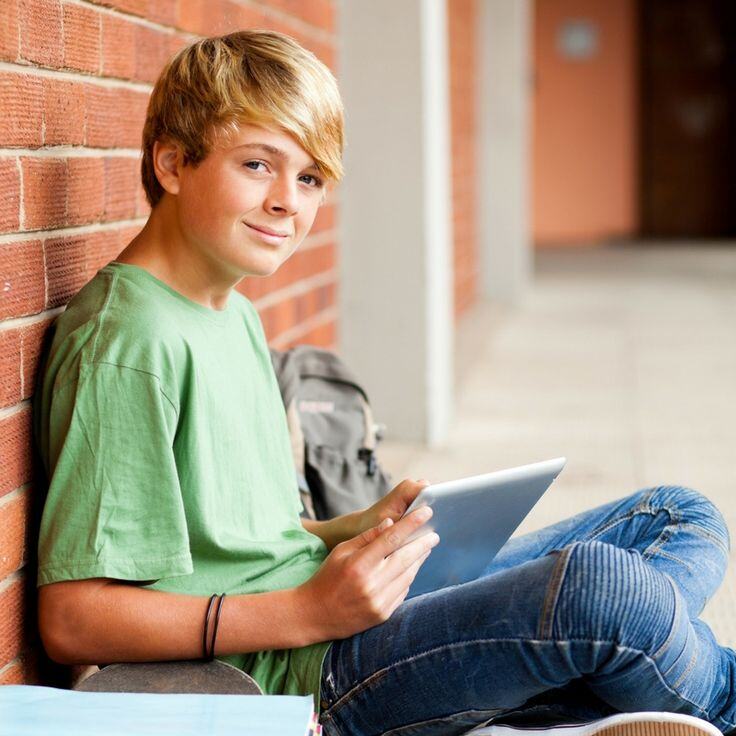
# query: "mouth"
{"type": "Point", "coordinates": [267, 234]}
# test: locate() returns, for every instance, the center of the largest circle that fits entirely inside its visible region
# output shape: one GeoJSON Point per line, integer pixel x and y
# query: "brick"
{"type": "Point", "coordinates": [22, 284]}
{"type": "Point", "coordinates": [136, 7]}
{"type": "Point", "coordinates": [302, 307]}
{"type": "Point", "coordinates": [301, 265]}
{"type": "Point", "coordinates": [9, 31]}
{"type": "Point", "coordinates": [286, 25]}
{"type": "Point", "coordinates": [63, 110]}
{"type": "Point", "coordinates": [21, 671]}
{"type": "Point", "coordinates": [176, 43]}
{"type": "Point", "coordinates": [277, 319]}
{"type": "Point", "coordinates": [21, 102]}
{"type": "Point", "coordinates": [32, 341]}
{"type": "Point", "coordinates": [126, 234]}
{"type": "Point", "coordinates": [118, 44]}
{"type": "Point", "coordinates": [192, 16]}
{"type": "Point", "coordinates": [122, 177]}
{"type": "Point", "coordinates": [323, 336]}
{"type": "Point", "coordinates": [289, 313]}
{"type": "Point", "coordinates": [40, 32]}
{"type": "Point", "coordinates": [81, 38]}
{"type": "Point", "coordinates": [9, 195]}
{"type": "Point", "coordinates": [151, 53]}
{"type": "Point", "coordinates": [162, 11]}
{"type": "Point", "coordinates": [100, 249]}
{"type": "Point", "coordinates": [236, 16]}
{"type": "Point", "coordinates": [66, 268]}
{"type": "Point", "coordinates": [85, 190]}
{"type": "Point", "coordinates": [326, 296]}
{"type": "Point", "coordinates": [12, 674]}
{"type": "Point", "coordinates": [211, 17]}
{"type": "Point", "coordinates": [220, 17]}
{"type": "Point", "coordinates": [44, 192]}
{"type": "Point", "coordinates": [15, 451]}
{"type": "Point", "coordinates": [318, 13]}
{"type": "Point", "coordinates": [325, 52]}
{"type": "Point", "coordinates": [115, 117]}
{"type": "Point", "coordinates": [10, 368]}
{"type": "Point", "coordinates": [61, 192]}
{"type": "Point", "coordinates": [462, 63]}
{"type": "Point", "coordinates": [14, 624]}
{"type": "Point", "coordinates": [14, 541]}
{"type": "Point", "coordinates": [325, 219]}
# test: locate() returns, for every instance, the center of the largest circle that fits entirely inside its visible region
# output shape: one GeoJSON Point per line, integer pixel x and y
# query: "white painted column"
{"type": "Point", "coordinates": [396, 323]}
{"type": "Point", "coordinates": [504, 43]}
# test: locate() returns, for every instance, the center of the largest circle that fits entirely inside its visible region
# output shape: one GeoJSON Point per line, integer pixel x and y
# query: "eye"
{"type": "Point", "coordinates": [317, 182]}
{"type": "Point", "coordinates": [254, 168]}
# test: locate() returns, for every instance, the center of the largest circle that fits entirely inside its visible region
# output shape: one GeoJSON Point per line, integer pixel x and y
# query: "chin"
{"type": "Point", "coordinates": [263, 269]}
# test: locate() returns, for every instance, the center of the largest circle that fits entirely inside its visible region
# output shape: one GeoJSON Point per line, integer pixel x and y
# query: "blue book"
{"type": "Point", "coordinates": [29, 710]}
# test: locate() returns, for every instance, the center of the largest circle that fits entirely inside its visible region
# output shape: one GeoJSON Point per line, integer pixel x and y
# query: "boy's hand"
{"type": "Point", "coordinates": [392, 505]}
{"type": "Point", "coordinates": [364, 579]}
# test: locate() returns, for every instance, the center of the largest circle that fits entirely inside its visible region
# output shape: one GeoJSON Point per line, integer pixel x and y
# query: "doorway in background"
{"type": "Point", "coordinates": [688, 118]}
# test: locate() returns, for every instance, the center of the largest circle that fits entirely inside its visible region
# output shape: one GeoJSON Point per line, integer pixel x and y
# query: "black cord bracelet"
{"type": "Point", "coordinates": [217, 624]}
{"type": "Point", "coordinates": [207, 625]}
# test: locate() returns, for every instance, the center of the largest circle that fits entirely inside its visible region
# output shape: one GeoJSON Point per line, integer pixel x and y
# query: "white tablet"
{"type": "Point", "coordinates": [474, 518]}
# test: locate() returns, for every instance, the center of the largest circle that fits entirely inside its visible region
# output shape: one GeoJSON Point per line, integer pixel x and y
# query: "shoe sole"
{"type": "Point", "coordinates": [656, 726]}
{"type": "Point", "coordinates": [621, 724]}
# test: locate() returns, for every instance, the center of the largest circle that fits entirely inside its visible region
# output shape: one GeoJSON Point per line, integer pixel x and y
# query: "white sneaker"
{"type": "Point", "coordinates": [652, 723]}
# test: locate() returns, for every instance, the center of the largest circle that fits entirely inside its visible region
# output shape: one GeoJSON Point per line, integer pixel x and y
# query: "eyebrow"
{"type": "Point", "coordinates": [275, 151]}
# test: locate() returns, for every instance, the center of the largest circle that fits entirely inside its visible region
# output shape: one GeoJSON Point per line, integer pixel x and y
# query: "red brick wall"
{"type": "Point", "coordinates": [75, 76]}
{"type": "Point", "coordinates": [462, 22]}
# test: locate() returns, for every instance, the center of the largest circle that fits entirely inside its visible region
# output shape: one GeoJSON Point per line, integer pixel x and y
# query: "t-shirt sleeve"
{"type": "Point", "coordinates": [114, 506]}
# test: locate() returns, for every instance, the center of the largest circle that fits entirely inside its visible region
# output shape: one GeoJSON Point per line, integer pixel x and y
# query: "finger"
{"type": "Point", "coordinates": [369, 535]}
{"type": "Point", "coordinates": [405, 556]}
{"type": "Point", "coordinates": [408, 490]}
{"type": "Point", "coordinates": [398, 589]}
{"type": "Point", "coordinates": [395, 535]}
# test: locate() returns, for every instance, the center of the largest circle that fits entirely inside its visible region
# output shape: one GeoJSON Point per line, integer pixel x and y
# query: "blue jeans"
{"type": "Point", "coordinates": [594, 615]}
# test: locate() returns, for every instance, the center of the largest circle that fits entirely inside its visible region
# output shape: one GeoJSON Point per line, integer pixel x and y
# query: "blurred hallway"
{"type": "Point", "coordinates": [623, 359]}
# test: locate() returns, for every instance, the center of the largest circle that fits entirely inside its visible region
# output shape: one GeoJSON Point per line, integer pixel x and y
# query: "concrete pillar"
{"type": "Point", "coordinates": [504, 210]}
{"type": "Point", "coordinates": [396, 327]}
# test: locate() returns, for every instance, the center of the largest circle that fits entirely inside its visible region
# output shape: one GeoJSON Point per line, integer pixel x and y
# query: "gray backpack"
{"type": "Point", "coordinates": [333, 435]}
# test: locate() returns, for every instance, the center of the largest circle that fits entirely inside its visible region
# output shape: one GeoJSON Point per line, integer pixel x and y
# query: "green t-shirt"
{"type": "Point", "coordinates": [164, 439]}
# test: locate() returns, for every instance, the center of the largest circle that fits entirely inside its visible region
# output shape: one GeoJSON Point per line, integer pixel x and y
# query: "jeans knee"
{"type": "Point", "coordinates": [693, 508]}
{"type": "Point", "coordinates": [610, 594]}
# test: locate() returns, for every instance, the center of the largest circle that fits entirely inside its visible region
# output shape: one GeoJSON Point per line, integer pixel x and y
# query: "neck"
{"type": "Point", "coordinates": [163, 250]}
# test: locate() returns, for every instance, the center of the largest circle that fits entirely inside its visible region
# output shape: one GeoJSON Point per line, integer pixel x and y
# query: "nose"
{"type": "Point", "coordinates": [282, 197]}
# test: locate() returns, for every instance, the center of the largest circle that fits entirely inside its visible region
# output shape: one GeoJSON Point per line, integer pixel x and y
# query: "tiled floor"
{"type": "Point", "coordinates": [621, 358]}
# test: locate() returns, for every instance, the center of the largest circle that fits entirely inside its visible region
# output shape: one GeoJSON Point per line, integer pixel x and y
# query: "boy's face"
{"type": "Point", "coordinates": [258, 180]}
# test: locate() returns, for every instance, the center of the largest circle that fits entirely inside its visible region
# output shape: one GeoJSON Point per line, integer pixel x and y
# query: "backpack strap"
{"type": "Point", "coordinates": [286, 368]}
{"type": "Point", "coordinates": [287, 375]}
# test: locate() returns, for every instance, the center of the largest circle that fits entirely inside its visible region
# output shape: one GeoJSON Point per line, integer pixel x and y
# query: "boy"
{"type": "Point", "coordinates": [170, 474]}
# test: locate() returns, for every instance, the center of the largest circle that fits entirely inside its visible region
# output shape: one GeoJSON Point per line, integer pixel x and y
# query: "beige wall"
{"type": "Point", "coordinates": [584, 138]}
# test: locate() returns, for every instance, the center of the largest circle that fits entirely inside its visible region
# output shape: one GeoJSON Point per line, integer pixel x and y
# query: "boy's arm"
{"type": "Point", "coordinates": [100, 620]}
{"type": "Point", "coordinates": [358, 586]}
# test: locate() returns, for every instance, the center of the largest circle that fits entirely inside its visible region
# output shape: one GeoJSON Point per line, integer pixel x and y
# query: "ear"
{"type": "Point", "coordinates": [167, 164]}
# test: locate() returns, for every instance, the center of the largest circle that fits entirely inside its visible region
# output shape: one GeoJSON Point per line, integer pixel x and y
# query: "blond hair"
{"type": "Point", "coordinates": [257, 77]}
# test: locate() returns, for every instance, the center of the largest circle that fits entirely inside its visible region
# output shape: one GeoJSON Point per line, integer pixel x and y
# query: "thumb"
{"type": "Point", "coordinates": [365, 538]}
